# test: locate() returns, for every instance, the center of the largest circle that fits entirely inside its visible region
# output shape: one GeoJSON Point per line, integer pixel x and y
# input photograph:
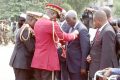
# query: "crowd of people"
{"type": "Point", "coordinates": [8, 29]}
{"type": "Point", "coordinates": [57, 46]}
{"type": "Point", "coordinates": [4, 32]}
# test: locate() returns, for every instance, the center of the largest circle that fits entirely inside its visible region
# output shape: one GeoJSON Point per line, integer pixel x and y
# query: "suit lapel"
{"type": "Point", "coordinates": [103, 29]}
{"type": "Point", "coordinates": [76, 28]}
{"type": "Point", "coordinates": [100, 35]}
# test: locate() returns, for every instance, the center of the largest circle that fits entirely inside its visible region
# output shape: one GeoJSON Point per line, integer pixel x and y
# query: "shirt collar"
{"type": "Point", "coordinates": [62, 23]}
{"type": "Point", "coordinates": [100, 29]}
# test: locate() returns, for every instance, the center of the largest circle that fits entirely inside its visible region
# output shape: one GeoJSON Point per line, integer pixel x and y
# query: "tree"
{"type": "Point", "coordinates": [66, 6]}
{"type": "Point", "coordinates": [116, 8]}
{"type": "Point", "coordinates": [11, 8]}
{"type": "Point", "coordinates": [15, 7]}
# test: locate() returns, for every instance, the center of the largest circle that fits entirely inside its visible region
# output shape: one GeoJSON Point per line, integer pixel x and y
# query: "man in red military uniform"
{"type": "Point", "coordinates": [47, 32]}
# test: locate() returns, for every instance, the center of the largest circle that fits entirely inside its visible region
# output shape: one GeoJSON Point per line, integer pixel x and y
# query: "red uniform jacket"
{"type": "Point", "coordinates": [45, 55]}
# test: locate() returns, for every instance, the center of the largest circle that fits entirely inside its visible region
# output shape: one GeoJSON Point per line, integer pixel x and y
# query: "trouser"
{"type": "Point", "coordinates": [90, 78]}
{"type": "Point", "coordinates": [75, 76]}
{"type": "Point", "coordinates": [23, 74]}
{"type": "Point", "coordinates": [58, 75]}
{"type": "Point", "coordinates": [64, 71]}
{"type": "Point", "coordinates": [44, 74]}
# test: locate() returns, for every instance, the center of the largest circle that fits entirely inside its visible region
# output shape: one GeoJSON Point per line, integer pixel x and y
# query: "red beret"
{"type": "Point", "coordinates": [54, 7]}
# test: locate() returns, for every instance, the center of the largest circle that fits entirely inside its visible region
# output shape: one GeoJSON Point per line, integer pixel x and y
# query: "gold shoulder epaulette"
{"type": "Point", "coordinates": [25, 26]}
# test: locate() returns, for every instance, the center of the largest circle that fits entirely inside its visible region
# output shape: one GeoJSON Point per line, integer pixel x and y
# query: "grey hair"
{"type": "Point", "coordinates": [71, 14]}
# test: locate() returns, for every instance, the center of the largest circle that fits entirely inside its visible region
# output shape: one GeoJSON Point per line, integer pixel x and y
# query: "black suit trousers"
{"type": "Point", "coordinates": [23, 74]}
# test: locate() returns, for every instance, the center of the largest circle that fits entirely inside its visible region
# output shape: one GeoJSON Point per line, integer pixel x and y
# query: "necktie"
{"type": "Point", "coordinates": [97, 35]}
{"type": "Point", "coordinates": [70, 31]}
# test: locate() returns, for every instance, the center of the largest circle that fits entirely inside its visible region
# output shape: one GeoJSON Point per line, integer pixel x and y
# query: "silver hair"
{"type": "Point", "coordinates": [71, 14]}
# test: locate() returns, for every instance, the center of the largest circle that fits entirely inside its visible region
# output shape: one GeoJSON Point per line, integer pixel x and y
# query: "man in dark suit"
{"type": "Point", "coordinates": [24, 49]}
{"type": "Point", "coordinates": [102, 53]}
{"type": "Point", "coordinates": [78, 49]}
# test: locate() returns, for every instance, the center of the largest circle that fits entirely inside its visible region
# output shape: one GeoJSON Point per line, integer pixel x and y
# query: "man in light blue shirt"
{"type": "Point", "coordinates": [111, 71]}
{"type": "Point", "coordinates": [115, 71]}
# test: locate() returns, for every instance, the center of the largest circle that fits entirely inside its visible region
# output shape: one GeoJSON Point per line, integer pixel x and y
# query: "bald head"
{"type": "Point", "coordinates": [108, 11]}
{"type": "Point", "coordinates": [99, 18]}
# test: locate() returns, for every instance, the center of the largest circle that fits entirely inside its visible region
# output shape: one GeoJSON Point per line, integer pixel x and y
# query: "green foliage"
{"type": "Point", "coordinates": [11, 8]}
{"type": "Point", "coordinates": [66, 6]}
{"type": "Point", "coordinates": [117, 8]}
{"type": "Point", "coordinates": [78, 5]}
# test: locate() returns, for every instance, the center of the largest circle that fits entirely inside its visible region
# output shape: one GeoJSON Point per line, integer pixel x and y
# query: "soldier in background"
{"type": "Point", "coordinates": [6, 33]}
{"type": "Point", "coordinates": [12, 29]}
{"type": "Point", "coordinates": [21, 21]}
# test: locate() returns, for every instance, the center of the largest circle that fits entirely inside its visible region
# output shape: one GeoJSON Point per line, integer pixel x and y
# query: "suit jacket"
{"type": "Point", "coordinates": [23, 51]}
{"type": "Point", "coordinates": [65, 27]}
{"type": "Point", "coordinates": [103, 52]}
{"type": "Point", "coordinates": [78, 49]}
{"type": "Point", "coordinates": [118, 45]}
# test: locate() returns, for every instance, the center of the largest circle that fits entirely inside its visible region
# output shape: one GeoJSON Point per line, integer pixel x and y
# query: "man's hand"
{"type": "Point", "coordinates": [83, 72]}
{"type": "Point", "coordinates": [89, 59]}
{"type": "Point", "coordinates": [107, 72]}
{"type": "Point", "coordinates": [75, 33]}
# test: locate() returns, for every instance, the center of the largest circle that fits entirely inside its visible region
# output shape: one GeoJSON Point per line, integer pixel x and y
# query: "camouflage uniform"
{"type": "Point", "coordinates": [6, 31]}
